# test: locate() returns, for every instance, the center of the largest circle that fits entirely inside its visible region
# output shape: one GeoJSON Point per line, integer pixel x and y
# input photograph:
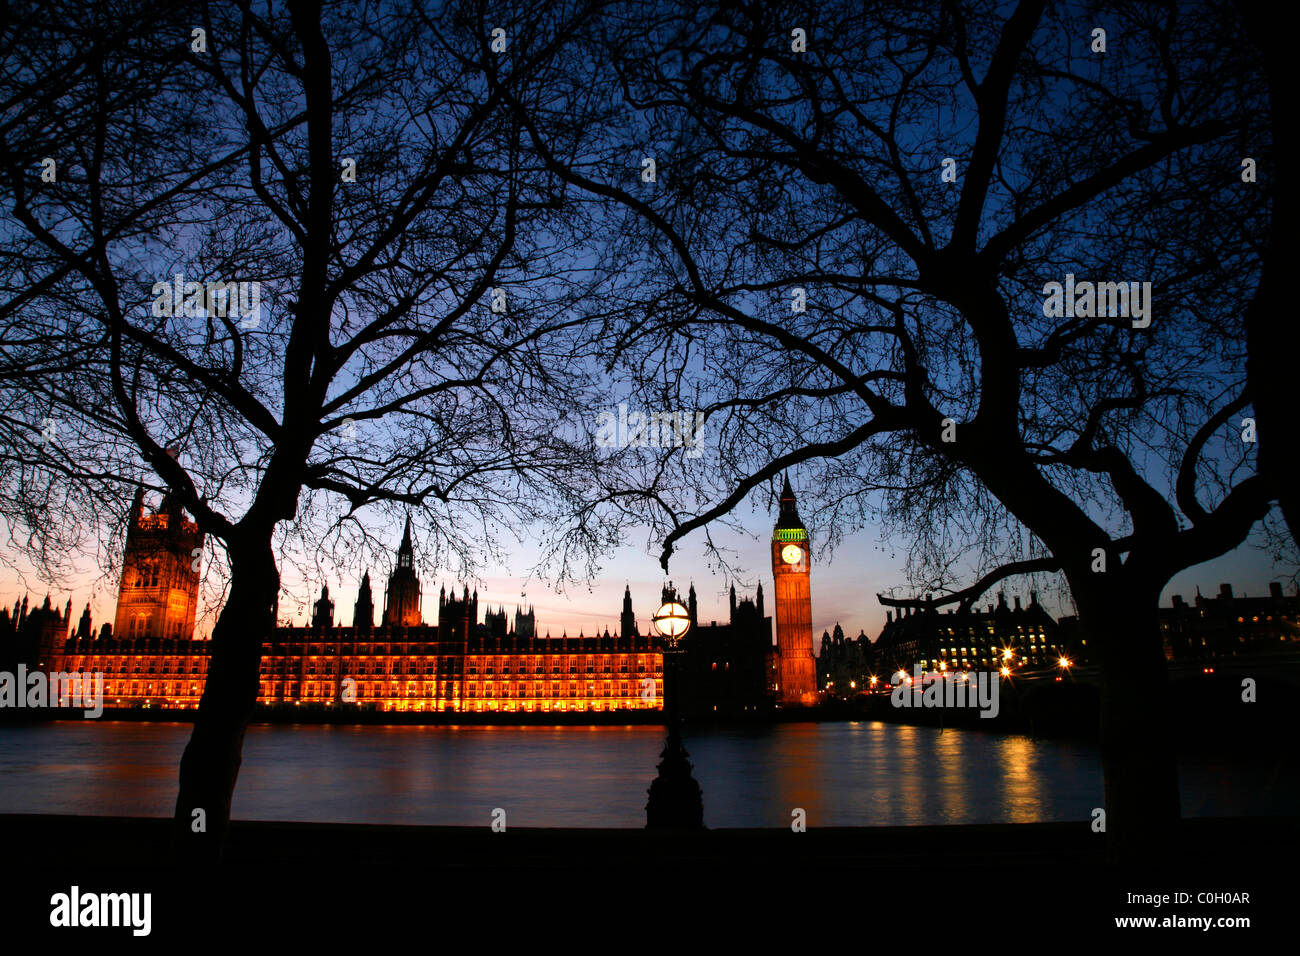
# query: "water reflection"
{"type": "Point", "coordinates": [841, 774]}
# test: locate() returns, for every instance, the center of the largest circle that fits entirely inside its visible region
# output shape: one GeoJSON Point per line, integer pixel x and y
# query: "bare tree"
{"type": "Point", "coordinates": [851, 245]}
{"type": "Point", "coordinates": [1273, 344]}
{"type": "Point", "coordinates": [295, 266]}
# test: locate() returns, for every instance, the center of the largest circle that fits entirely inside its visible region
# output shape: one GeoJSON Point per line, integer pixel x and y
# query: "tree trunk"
{"type": "Point", "coordinates": [210, 764]}
{"type": "Point", "coordinates": [1272, 343]}
{"type": "Point", "coordinates": [1138, 755]}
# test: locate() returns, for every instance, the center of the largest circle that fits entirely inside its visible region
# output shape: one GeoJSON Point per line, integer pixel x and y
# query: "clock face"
{"type": "Point", "coordinates": [792, 554]}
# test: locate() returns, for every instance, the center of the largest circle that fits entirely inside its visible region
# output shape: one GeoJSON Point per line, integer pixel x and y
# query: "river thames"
{"type": "Point", "coordinates": [841, 774]}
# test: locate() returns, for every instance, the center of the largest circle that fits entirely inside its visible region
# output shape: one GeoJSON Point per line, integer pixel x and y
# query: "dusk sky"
{"type": "Point", "coordinates": [844, 585]}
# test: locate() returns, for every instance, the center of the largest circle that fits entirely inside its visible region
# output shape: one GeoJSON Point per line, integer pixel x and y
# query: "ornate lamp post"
{"type": "Point", "coordinates": [676, 801]}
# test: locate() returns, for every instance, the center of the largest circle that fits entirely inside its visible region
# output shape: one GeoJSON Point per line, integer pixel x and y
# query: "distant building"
{"type": "Point", "coordinates": [972, 640]}
{"type": "Point", "coordinates": [844, 665]}
{"type": "Point", "coordinates": [35, 637]}
{"type": "Point", "coordinates": [1229, 626]}
{"type": "Point", "coordinates": [725, 672]}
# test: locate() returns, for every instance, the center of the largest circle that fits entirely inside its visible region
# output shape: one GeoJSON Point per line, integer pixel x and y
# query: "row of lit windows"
{"type": "Point", "coordinates": [486, 689]}
{"type": "Point", "coordinates": [367, 693]}
{"type": "Point", "coordinates": [994, 651]}
{"type": "Point", "coordinates": [285, 667]}
{"type": "Point", "coordinates": [512, 706]}
{"type": "Point", "coordinates": [449, 666]}
{"type": "Point", "coordinates": [151, 665]}
{"type": "Point", "coordinates": [502, 660]}
{"type": "Point", "coordinates": [137, 665]}
{"type": "Point", "coordinates": [406, 649]}
{"type": "Point", "coordinates": [149, 689]}
{"type": "Point", "coordinates": [623, 697]}
{"type": "Point", "coordinates": [997, 655]}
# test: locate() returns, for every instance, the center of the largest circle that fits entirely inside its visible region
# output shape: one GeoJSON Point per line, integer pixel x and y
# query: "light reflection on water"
{"type": "Point", "coordinates": [842, 774]}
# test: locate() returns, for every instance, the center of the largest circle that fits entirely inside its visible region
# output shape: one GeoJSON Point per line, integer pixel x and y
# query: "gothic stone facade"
{"type": "Point", "coordinates": [458, 664]}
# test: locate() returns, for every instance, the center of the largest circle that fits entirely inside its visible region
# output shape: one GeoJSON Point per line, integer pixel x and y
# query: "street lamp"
{"type": "Point", "coordinates": [671, 621]}
{"type": "Point", "coordinates": [676, 801]}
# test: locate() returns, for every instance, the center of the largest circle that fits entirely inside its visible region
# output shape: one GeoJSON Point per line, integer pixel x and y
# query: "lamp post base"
{"type": "Point", "coordinates": [676, 801]}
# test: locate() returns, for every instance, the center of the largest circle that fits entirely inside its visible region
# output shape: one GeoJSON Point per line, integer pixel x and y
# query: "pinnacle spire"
{"type": "Point", "coordinates": [789, 516]}
{"type": "Point", "coordinates": [137, 504]}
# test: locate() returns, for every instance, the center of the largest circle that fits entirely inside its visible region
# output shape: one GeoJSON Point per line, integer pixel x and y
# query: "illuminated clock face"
{"type": "Point", "coordinates": [792, 554]}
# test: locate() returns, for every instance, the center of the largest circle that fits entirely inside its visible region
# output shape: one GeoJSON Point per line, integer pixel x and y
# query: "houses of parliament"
{"type": "Point", "coordinates": [389, 659]}
{"type": "Point", "coordinates": [150, 658]}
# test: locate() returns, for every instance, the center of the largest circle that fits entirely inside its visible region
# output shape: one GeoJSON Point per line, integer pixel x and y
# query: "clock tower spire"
{"type": "Point", "coordinates": [796, 668]}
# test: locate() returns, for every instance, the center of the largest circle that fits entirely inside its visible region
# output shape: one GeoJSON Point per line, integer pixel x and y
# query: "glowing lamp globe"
{"type": "Point", "coordinates": [672, 621]}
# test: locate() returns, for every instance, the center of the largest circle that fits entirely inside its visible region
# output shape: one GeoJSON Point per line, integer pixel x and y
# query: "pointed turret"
{"type": "Point", "coordinates": [363, 612]}
{"type": "Point", "coordinates": [323, 614]}
{"type": "Point", "coordinates": [137, 507]}
{"type": "Point", "coordinates": [405, 550]}
{"type": "Point", "coordinates": [789, 514]}
{"type": "Point", "coordinates": [627, 620]}
{"type": "Point", "coordinates": [402, 601]}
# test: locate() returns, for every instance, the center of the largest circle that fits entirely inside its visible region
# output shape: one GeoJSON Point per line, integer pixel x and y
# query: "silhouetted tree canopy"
{"type": "Point", "coordinates": [856, 258]}
{"type": "Point", "coordinates": [299, 268]}
{"type": "Point", "coordinates": [853, 237]}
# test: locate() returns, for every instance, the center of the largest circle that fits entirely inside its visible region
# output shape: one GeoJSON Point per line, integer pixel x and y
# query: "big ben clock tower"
{"type": "Point", "coordinates": [796, 669]}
